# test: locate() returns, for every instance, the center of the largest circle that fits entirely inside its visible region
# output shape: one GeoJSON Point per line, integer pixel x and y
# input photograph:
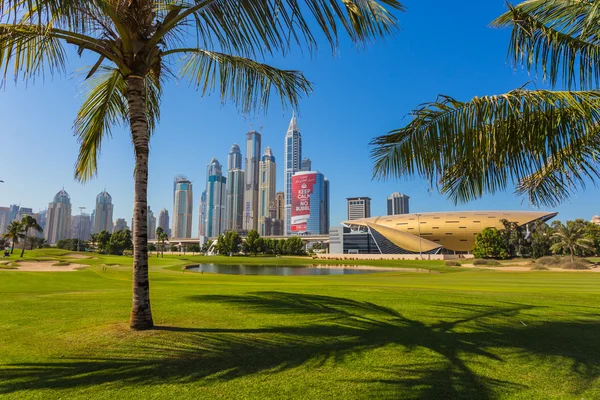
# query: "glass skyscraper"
{"type": "Point", "coordinates": [103, 215]}
{"type": "Point", "coordinates": [182, 209]}
{"type": "Point", "coordinates": [292, 158]}
{"type": "Point", "coordinates": [266, 193]}
{"type": "Point", "coordinates": [235, 190]}
{"type": "Point", "coordinates": [251, 175]}
{"type": "Point", "coordinates": [58, 223]}
{"type": "Point", "coordinates": [216, 200]}
{"type": "Point", "coordinates": [310, 205]}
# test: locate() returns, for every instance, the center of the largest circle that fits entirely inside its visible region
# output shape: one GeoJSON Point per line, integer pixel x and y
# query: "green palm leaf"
{"type": "Point", "coordinates": [545, 142]}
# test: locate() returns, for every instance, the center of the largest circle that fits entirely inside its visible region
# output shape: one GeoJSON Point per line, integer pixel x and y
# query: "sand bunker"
{"type": "Point", "coordinates": [74, 255]}
{"type": "Point", "coordinates": [44, 266]}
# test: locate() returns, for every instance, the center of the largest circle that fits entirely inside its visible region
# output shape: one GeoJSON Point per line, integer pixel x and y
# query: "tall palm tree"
{"type": "Point", "coordinates": [219, 45]}
{"type": "Point", "coordinates": [28, 223]}
{"type": "Point", "coordinates": [13, 233]}
{"type": "Point", "coordinates": [571, 238]}
{"type": "Point", "coordinates": [162, 237]}
{"type": "Point", "coordinates": [545, 142]}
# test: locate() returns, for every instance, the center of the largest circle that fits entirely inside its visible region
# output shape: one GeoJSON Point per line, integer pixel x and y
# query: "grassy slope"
{"type": "Point", "coordinates": [475, 334]}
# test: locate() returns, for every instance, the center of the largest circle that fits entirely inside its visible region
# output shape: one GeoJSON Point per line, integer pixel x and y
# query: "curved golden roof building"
{"type": "Point", "coordinates": [453, 231]}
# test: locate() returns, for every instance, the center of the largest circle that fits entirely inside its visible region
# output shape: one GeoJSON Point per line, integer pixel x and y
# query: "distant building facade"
{"type": "Point", "coordinates": [306, 164]}
{"type": "Point", "coordinates": [4, 219]}
{"type": "Point", "coordinates": [121, 225]}
{"type": "Point", "coordinates": [235, 190]}
{"type": "Point", "coordinates": [182, 208]}
{"type": "Point", "coordinates": [163, 221]}
{"type": "Point", "coordinates": [358, 207]}
{"type": "Point", "coordinates": [280, 206]}
{"type": "Point", "coordinates": [310, 203]}
{"type": "Point", "coordinates": [202, 221]}
{"type": "Point", "coordinates": [292, 158]}
{"type": "Point", "coordinates": [58, 225]}
{"type": "Point", "coordinates": [267, 193]}
{"type": "Point", "coordinates": [103, 213]}
{"type": "Point", "coordinates": [216, 200]}
{"type": "Point", "coordinates": [251, 176]}
{"type": "Point", "coordinates": [596, 219]}
{"type": "Point", "coordinates": [397, 204]}
{"type": "Point", "coordinates": [81, 226]}
{"type": "Point", "coordinates": [151, 221]}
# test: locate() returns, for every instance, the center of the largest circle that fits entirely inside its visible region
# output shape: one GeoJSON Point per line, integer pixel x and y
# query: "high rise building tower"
{"type": "Point", "coordinates": [359, 207]}
{"type": "Point", "coordinates": [103, 213]}
{"type": "Point", "coordinates": [81, 226]}
{"type": "Point", "coordinates": [310, 203]}
{"type": "Point", "coordinates": [13, 211]}
{"type": "Point", "coordinates": [163, 221]}
{"type": "Point", "coordinates": [266, 193]}
{"type": "Point", "coordinates": [306, 164]}
{"type": "Point", "coordinates": [58, 223]}
{"type": "Point", "coordinates": [216, 200]}
{"type": "Point", "coordinates": [202, 221]}
{"type": "Point", "coordinates": [397, 204]}
{"type": "Point", "coordinates": [183, 208]}
{"type": "Point", "coordinates": [4, 215]}
{"type": "Point", "coordinates": [292, 156]}
{"type": "Point", "coordinates": [120, 225]}
{"type": "Point", "coordinates": [234, 160]}
{"type": "Point", "coordinates": [279, 206]}
{"type": "Point", "coordinates": [235, 190]}
{"type": "Point", "coordinates": [151, 221]}
{"type": "Point", "coordinates": [251, 176]}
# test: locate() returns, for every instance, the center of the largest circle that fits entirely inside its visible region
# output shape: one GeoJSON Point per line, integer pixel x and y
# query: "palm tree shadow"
{"type": "Point", "coordinates": [341, 328]}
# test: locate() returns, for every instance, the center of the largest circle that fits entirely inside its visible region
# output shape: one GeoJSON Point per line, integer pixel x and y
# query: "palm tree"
{"type": "Point", "coordinates": [162, 237]}
{"type": "Point", "coordinates": [13, 232]}
{"type": "Point", "coordinates": [546, 142]}
{"type": "Point", "coordinates": [220, 45]}
{"type": "Point", "coordinates": [571, 238]}
{"type": "Point", "coordinates": [28, 223]}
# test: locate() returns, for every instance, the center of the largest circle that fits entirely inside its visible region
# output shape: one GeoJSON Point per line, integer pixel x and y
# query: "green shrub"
{"type": "Point", "coordinates": [579, 263]}
{"type": "Point", "coordinates": [489, 263]}
{"type": "Point", "coordinates": [452, 264]}
{"type": "Point", "coordinates": [550, 261]}
{"type": "Point", "coordinates": [539, 268]}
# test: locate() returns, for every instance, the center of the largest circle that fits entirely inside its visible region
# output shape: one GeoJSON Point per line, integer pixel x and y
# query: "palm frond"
{"type": "Point", "coordinates": [529, 138]}
{"type": "Point", "coordinates": [245, 82]}
{"type": "Point", "coordinates": [560, 37]}
{"type": "Point", "coordinates": [104, 106]}
{"type": "Point", "coordinates": [30, 51]}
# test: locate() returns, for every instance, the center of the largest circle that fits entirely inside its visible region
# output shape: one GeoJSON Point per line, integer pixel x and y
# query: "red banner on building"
{"type": "Point", "coordinates": [302, 189]}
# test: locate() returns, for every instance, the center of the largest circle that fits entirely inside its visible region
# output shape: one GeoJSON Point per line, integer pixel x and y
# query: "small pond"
{"type": "Point", "coordinates": [279, 270]}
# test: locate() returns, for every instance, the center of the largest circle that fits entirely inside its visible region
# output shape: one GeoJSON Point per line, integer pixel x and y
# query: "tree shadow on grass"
{"type": "Point", "coordinates": [340, 328]}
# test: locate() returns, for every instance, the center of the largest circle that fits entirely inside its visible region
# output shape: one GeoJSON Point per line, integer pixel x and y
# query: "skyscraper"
{"type": "Point", "coordinates": [279, 205]}
{"type": "Point", "coordinates": [266, 193]}
{"type": "Point", "coordinates": [310, 203]}
{"type": "Point", "coordinates": [306, 164]}
{"type": "Point", "coordinates": [58, 223]}
{"type": "Point", "coordinates": [183, 208]}
{"type": "Point", "coordinates": [163, 221]}
{"type": "Point", "coordinates": [216, 200]}
{"type": "Point", "coordinates": [234, 161]}
{"type": "Point", "coordinates": [151, 221]}
{"type": "Point", "coordinates": [103, 213]}
{"type": "Point", "coordinates": [120, 225]}
{"type": "Point", "coordinates": [4, 215]}
{"type": "Point", "coordinates": [292, 156]}
{"type": "Point", "coordinates": [202, 221]}
{"type": "Point", "coordinates": [81, 226]}
{"type": "Point", "coordinates": [251, 176]}
{"type": "Point", "coordinates": [358, 207]}
{"type": "Point", "coordinates": [397, 203]}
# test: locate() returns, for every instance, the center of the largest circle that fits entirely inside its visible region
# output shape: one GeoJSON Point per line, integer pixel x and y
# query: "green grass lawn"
{"type": "Point", "coordinates": [477, 334]}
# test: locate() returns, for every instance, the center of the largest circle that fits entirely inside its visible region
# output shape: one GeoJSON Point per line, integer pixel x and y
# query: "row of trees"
{"type": "Point", "coordinates": [112, 243]}
{"type": "Point", "coordinates": [231, 243]}
{"type": "Point", "coordinates": [19, 231]}
{"type": "Point", "coordinates": [575, 238]}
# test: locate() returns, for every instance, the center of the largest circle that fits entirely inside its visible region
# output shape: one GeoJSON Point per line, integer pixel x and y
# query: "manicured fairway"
{"type": "Point", "coordinates": [397, 335]}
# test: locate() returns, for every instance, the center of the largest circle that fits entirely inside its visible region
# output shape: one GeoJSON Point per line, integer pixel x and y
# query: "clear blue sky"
{"type": "Point", "coordinates": [443, 48]}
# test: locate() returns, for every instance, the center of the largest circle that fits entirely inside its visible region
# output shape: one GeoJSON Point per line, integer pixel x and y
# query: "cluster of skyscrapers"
{"type": "Point", "coordinates": [58, 223]}
{"type": "Point", "coordinates": [244, 197]}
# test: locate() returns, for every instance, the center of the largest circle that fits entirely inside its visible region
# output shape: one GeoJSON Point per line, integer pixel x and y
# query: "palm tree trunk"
{"type": "Point", "coordinates": [12, 248]}
{"type": "Point", "coordinates": [24, 242]}
{"type": "Point", "coordinates": [141, 314]}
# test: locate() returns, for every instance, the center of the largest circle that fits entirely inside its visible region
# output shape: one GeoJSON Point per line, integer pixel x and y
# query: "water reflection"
{"type": "Point", "coordinates": [277, 270]}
